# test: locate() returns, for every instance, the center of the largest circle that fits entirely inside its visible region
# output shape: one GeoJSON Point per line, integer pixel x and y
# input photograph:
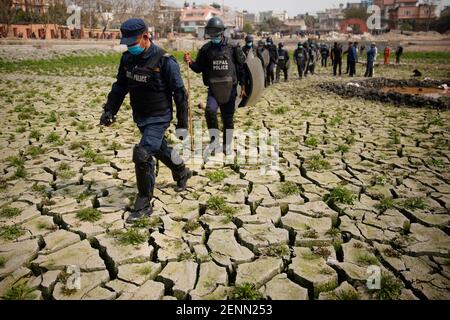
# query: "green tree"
{"type": "Point", "coordinates": [274, 24]}
{"type": "Point", "coordinates": [57, 13]}
{"type": "Point", "coordinates": [358, 13]}
{"type": "Point", "coordinates": [264, 27]}
{"type": "Point", "coordinates": [248, 28]}
{"type": "Point", "coordinates": [216, 5]}
{"type": "Point", "coordinates": [442, 25]}
{"type": "Point", "coordinates": [310, 21]}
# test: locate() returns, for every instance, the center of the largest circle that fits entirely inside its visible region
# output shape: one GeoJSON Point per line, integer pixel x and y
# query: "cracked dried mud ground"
{"type": "Point", "coordinates": [359, 183]}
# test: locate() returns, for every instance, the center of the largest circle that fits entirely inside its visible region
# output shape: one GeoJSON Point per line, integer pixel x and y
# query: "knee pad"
{"type": "Point", "coordinates": [141, 156]}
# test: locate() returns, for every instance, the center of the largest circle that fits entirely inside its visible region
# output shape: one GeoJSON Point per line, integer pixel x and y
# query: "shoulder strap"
{"type": "Point", "coordinates": [154, 61]}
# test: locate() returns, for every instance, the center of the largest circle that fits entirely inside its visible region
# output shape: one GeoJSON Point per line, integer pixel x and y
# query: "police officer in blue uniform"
{"type": "Point", "coordinates": [222, 66]}
{"type": "Point", "coordinates": [152, 78]}
{"type": "Point", "coordinates": [273, 53]}
{"type": "Point", "coordinates": [283, 62]}
{"type": "Point", "coordinates": [301, 59]}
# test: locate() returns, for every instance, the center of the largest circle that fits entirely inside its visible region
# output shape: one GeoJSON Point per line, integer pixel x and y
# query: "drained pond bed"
{"type": "Point", "coordinates": [411, 92]}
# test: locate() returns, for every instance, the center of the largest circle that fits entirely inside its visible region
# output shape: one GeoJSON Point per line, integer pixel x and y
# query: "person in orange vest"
{"type": "Point", "coordinates": [387, 53]}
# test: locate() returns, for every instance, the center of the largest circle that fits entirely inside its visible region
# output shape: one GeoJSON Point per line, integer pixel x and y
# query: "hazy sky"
{"type": "Point", "coordinates": [293, 7]}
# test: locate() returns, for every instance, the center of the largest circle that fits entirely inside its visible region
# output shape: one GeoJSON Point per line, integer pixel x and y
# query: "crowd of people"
{"type": "Point", "coordinates": [308, 53]}
{"type": "Point", "coordinates": [152, 78]}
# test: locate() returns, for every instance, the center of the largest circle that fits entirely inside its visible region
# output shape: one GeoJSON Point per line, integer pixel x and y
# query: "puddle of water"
{"type": "Point", "coordinates": [434, 93]}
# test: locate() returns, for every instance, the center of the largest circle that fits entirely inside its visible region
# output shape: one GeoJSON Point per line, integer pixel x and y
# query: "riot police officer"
{"type": "Point", "coordinates": [249, 45]}
{"type": "Point", "coordinates": [312, 58]}
{"type": "Point", "coordinates": [222, 66]}
{"type": "Point", "coordinates": [283, 62]}
{"type": "Point", "coordinates": [301, 59]}
{"type": "Point", "coordinates": [152, 78]}
{"type": "Point", "coordinates": [273, 52]}
{"type": "Point", "coordinates": [263, 53]}
{"type": "Point", "coordinates": [324, 53]}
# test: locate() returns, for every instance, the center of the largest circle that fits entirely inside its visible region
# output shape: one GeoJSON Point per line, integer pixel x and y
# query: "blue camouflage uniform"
{"type": "Point", "coordinates": [153, 80]}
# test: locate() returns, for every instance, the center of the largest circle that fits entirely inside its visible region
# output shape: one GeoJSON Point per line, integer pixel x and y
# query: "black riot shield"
{"type": "Point", "coordinates": [255, 81]}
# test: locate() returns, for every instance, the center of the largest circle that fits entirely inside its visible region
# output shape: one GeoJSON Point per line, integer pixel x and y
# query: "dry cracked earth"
{"type": "Point", "coordinates": [359, 184]}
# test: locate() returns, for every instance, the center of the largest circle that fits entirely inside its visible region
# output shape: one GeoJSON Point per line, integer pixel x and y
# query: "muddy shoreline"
{"type": "Point", "coordinates": [372, 90]}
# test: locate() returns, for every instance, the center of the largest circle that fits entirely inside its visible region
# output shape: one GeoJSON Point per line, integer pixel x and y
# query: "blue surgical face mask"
{"type": "Point", "coordinates": [249, 44]}
{"type": "Point", "coordinates": [216, 40]}
{"type": "Point", "coordinates": [136, 49]}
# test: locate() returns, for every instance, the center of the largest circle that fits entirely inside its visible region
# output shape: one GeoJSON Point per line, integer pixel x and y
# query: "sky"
{"type": "Point", "coordinates": [293, 7]}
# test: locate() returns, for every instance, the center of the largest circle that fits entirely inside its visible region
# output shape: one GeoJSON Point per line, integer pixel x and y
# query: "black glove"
{"type": "Point", "coordinates": [181, 101]}
{"type": "Point", "coordinates": [107, 118]}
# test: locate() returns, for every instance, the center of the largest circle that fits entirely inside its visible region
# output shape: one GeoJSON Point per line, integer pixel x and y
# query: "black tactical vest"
{"type": "Point", "coordinates": [301, 55]}
{"type": "Point", "coordinates": [149, 94]}
{"type": "Point", "coordinates": [281, 58]}
{"type": "Point", "coordinates": [221, 75]}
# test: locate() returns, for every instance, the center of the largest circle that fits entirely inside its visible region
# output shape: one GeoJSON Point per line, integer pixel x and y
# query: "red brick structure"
{"type": "Point", "coordinates": [52, 31]}
{"type": "Point", "coordinates": [362, 25]}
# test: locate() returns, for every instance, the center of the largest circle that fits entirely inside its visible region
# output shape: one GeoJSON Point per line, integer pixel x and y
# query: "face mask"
{"type": "Point", "coordinates": [216, 40]}
{"type": "Point", "coordinates": [249, 44]}
{"type": "Point", "coordinates": [136, 49]}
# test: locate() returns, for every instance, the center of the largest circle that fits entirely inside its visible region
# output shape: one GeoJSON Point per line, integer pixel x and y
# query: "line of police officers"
{"type": "Point", "coordinates": [152, 78]}
{"type": "Point", "coordinates": [306, 56]}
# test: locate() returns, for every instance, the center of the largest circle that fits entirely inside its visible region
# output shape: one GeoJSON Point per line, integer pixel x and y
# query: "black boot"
{"type": "Point", "coordinates": [182, 179]}
{"type": "Point", "coordinates": [142, 205]}
{"type": "Point", "coordinates": [180, 173]}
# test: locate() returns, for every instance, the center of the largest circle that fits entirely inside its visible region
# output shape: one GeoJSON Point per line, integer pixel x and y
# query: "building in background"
{"type": "Point", "coordinates": [281, 16]}
{"type": "Point", "coordinates": [238, 18]}
{"type": "Point", "coordinates": [250, 17]}
{"type": "Point", "coordinates": [412, 13]}
{"type": "Point", "coordinates": [330, 19]}
{"type": "Point", "coordinates": [356, 5]}
{"type": "Point", "coordinates": [34, 6]}
{"type": "Point", "coordinates": [193, 18]}
{"type": "Point", "coordinates": [265, 15]}
{"type": "Point", "coordinates": [294, 26]}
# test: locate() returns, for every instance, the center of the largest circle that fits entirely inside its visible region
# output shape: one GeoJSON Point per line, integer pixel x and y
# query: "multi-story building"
{"type": "Point", "coordinates": [330, 19]}
{"type": "Point", "coordinates": [356, 5]}
{"type": "Point", "coordinates": [249, 17]}
{"type": "Point", "coordinates": [401, 11]}
{"type": "Point", "coordinates": [35, 6]}
{"type": "Point", "coordinates": [194, 18]}
{"type": "Point", "coordinates": [281, 16]}
{"type": "Point", "coordinates": [239, 20]}
{"type": "Point", "coordinates": [294, 25]}
{"type": "Point", "coordinates": [265, 15]}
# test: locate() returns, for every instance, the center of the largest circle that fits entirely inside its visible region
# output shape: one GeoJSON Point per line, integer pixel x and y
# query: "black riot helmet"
{"type": "Point", "coordinates": [249, 38]}
{"type": "Point", "coordinates": [214, 27]}
{"type": "Point", "coordinates": [260, 43]}
{"type": "Point", "coordinates": [280, 45]}
{"type": "Point", "coordinates": [269, 40]}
